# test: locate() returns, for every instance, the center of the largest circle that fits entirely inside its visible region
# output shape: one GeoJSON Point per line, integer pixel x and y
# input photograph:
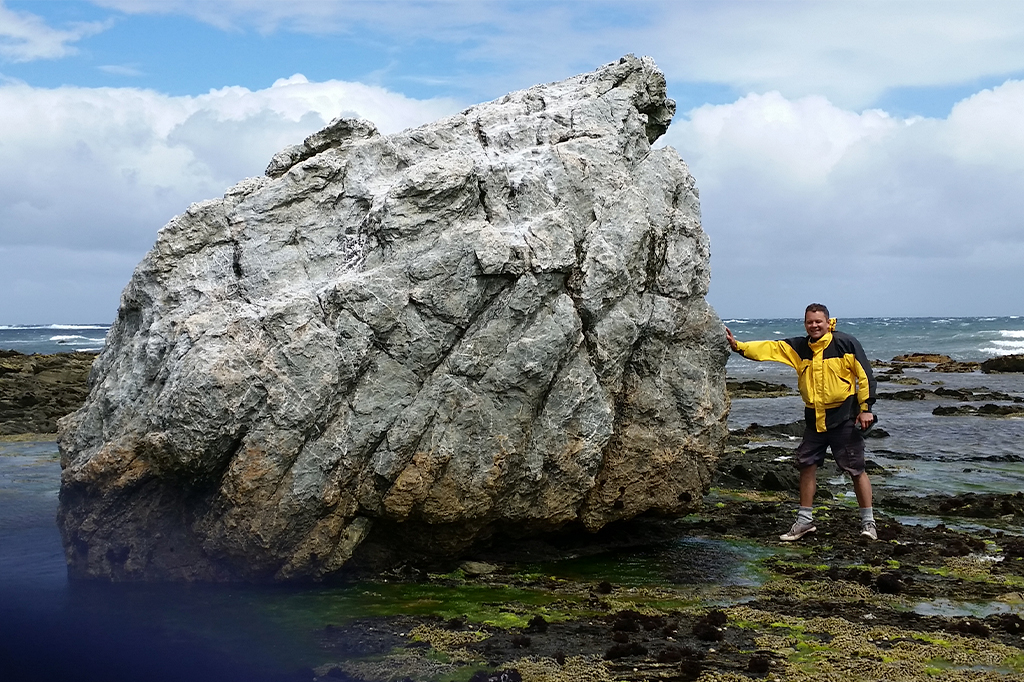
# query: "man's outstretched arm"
{"type": "Point", "coordinates": [777, 351]}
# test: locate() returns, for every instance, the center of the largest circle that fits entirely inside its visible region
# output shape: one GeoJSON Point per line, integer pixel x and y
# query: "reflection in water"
{"type": "Point", "coordinates": [949, 608]}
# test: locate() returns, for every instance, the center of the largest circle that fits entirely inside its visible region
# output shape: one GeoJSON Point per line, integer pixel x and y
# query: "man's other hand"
{"type": "Point", "coordinates": [865, 420]}
{"type": "Point", "coordinates": [731, 339]}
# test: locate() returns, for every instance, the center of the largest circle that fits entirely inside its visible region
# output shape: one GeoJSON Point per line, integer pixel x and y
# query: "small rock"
{"type": "Point", "coordinates": [889, 583]}
{"type": "Point", "coordinates": [537, 624]}
{"type": "Point", "coordinates": [954, 367]}
{"type": "Point", "coordinates": [617, 651]}
{"type": "Point", "coordinates": [521, 641]}
{"type": "Point", "coordinates": [759, 663]}
{"type": "Point", "coordinates": [922, 357]}
{"type": "Point", "coordinates": [1004, 363]}
{"type": "Point", "coordinates": [954, 410]}
{"type": "Point", "coordinates": [912, 394]}
{"type": "Point", "coordinates": [477, 568]}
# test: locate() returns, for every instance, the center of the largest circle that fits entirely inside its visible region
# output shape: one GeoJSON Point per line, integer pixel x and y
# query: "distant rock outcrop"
{"type": "Point", "coordinates": [1004, 363]}
{"type": "Point", "coordinates": [922, 357]}
{"type": "Point", "coordinates": [494, 323]}
{"type": "Point", "coordinates": [989, 410]}
{"type": "Point", "coordinates": [37, 390]}
{"type": "Point", "coordinates": [755, 388]}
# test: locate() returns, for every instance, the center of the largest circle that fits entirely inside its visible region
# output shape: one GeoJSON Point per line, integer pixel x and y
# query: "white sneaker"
{"type": "Point", "coordinates": [797, 531]}
{"type": "Point", "coordinates": [869, 530]}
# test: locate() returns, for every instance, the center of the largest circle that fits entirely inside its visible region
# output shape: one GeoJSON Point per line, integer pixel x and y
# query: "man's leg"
{"type": "Point", "coordinates": [809, 485]}
{"type": "Point", "coordinates": [862, 488]}
{"type": "Point", "coordinates": [848, 449]}
{"type": "Point", "coordinates": [809, 454]}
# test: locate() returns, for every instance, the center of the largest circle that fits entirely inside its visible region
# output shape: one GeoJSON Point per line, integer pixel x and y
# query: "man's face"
{"type": "Point", "coordinates": [816, 324]}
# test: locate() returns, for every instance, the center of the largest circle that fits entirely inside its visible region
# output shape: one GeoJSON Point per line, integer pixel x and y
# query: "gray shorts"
{"type": "Point", "coordinates": [846, 442]}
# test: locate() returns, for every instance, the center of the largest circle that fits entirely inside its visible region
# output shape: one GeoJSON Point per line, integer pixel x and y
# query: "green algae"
{"type": "Point", "coordinates": [501, 606]}
{"type": "Point", "coordinates": [833, 648]}
{"type": "Point", "coordinates": [783, 567]}
{"type": "Point", "coordinates": [973, 569]}
{"type": "Point", "coordinates": [686, 561]}
{"type": "Point", "coordinates": [28, 438]}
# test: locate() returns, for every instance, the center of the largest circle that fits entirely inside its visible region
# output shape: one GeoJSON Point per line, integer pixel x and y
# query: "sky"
{"type": "Point", "coordinates": [868, 155]}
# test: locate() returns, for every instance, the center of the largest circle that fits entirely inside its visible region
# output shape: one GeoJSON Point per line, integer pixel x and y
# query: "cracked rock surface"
{"type": "Point", "coordinates": [494, 323]}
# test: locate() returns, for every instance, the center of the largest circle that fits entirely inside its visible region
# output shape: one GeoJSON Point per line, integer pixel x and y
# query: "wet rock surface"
{"type": "Point", "coordinates": [37, 390]}
{"type": "Point", "coordinates": [938, 596]}
{"type": "Point", "coordinates": [755, 388]}
{"type": "Point", "coordinates": [967, 394]}
{"type": "Point", "coordinates": [400, 345]}
{"type": "Point", "coordinates": [898, 379]}
{"type": "Point", "coordinates": [834, 599]}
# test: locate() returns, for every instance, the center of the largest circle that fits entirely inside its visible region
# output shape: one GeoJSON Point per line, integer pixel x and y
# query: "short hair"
{"type": "Point", "coordinates": [816, 308]}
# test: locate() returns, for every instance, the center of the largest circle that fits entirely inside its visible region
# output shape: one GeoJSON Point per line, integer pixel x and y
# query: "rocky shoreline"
{"type": "Point", "coordinates": [834, 606]}
{"type": "Point", "coordinates": [938, 597]}
{"type": "Point", "coordinates": [660, 600]}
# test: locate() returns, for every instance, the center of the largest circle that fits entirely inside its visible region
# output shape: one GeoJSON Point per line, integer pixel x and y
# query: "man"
{"type": "Point", "coordinates": [838, 390]}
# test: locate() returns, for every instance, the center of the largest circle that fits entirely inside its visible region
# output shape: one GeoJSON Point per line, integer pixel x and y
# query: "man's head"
{"type": "Point", "coordinates": [816, 321]}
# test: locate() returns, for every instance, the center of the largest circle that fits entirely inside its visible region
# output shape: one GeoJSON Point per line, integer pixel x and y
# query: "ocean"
{"type": "Point", "coordinates": [53, 630]}
{"type": "Point", "coordinates": [53, 338]}
{"type": "Point", "coordinates": [927, 453]}
{"type": "Point", "coordinates": [962, 338]}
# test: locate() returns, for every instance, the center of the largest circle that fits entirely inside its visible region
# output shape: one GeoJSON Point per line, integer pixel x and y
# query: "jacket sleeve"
{"type": "Point", "coordinates": [777, 351]}
{"type": "Point", "coordinates": [866, 384]}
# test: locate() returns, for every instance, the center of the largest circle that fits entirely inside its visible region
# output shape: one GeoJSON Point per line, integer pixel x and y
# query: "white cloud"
{"type": "Point", "coordinates": [25, 37]}
{"type": "Point", "coordinates": [102, 169]}
{"type": "Point", "coordinates": [880, 215]}
{"type": "Point", "coordinates": [988, 127]}
{"type": "Point", "coordinates": [795, 141]}
{"type": "Point", "coordinates": [121, 70]}
{"type": "Point", "coordinates": [849, 51]}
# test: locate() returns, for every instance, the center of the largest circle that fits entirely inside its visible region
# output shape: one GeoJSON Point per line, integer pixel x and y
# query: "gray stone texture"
{"type": "Point", "coordinates": [494, 323]}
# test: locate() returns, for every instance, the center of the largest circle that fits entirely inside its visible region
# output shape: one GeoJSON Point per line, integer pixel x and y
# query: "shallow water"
{"type": "Point", "coordinates": [947, 607]}
{"type": "Point", "coordinates": [53, 629]}
{"type": "Point", "coordinates": [687, 561]}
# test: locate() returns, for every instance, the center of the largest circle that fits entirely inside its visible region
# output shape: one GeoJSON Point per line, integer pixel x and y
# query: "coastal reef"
{"type": "Point", "coordinates": [924, 602]}
{"type": "Point", "coordinates": [37, 390]}
{"type": "Point", "coordinates": [392, 348]}
{"type": "Point", "coordinates": [1004, 363]}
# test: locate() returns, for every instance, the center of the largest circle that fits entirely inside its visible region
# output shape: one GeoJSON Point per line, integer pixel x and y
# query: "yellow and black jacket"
{"type": "Point", "coordinates": [835, 376]}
